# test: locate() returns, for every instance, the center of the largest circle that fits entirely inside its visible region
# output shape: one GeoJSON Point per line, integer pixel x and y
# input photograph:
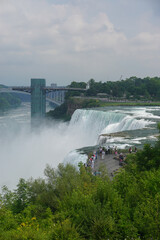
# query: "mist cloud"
{"type": "Point", "coordinates": [25, 154]}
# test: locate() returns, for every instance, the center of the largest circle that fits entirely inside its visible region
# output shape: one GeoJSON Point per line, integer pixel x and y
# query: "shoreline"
{"type": "Point", "coordinates": [114, 102]}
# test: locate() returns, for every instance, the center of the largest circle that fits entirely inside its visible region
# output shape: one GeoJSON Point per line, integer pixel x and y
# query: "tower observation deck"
{"type": "Point", "coordinates": [38, 98]}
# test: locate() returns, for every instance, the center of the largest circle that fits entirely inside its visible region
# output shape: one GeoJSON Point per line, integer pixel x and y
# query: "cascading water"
{"type": "Point", "coordinates": [25, 153]}
{"type": "Point", "coordinates": [75, 157]}
{"type": "Point", "coordinates": [127, 123]}
{"type": "Point", "coordinates": [94, 122]}
{"type": "Point", "coordinates": [90, 124]}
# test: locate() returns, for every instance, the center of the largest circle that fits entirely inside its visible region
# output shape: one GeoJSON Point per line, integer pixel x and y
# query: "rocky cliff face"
{"type": "Point", "coordinates": [66, 110]}
{"type": "Point", "coordinates": [78, 103]}
{"type": "Point", "coordinates": [72, 106]}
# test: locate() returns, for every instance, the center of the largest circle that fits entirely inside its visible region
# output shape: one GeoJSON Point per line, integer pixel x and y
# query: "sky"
{"type": "Point", "coordinates": [76, 40]}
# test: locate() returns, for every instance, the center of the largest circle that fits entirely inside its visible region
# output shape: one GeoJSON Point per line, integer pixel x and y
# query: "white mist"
{"type": "Point", "coordinates": [24, 153]}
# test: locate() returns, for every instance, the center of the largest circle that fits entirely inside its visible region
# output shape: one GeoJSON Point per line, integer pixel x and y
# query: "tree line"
{"type": "Point", "coordinates": [131, 88]}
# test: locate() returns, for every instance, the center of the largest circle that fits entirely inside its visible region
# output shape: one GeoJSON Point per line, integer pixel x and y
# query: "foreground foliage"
{"type": "Point", "coordinates": [71, 204]}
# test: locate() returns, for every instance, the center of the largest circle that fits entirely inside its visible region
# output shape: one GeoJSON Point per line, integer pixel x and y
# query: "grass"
{"type": "Point", "coordinates": [103, 104]}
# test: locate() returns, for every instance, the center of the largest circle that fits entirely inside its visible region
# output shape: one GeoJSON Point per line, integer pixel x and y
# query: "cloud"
{"type": "Point", "coordinates": [55, 28]}
{"type": "Point", "coordinates": [147, 41]}
{"type": "Point", "coordinates": [44, 38]}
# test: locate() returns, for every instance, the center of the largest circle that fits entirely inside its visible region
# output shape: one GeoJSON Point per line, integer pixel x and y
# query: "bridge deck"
{"type": "Point", "coordinates": [49, 89]}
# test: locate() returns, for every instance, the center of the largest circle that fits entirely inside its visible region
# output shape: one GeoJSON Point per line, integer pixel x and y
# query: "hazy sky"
{"type": "Point", "coordinates": [76, 40]}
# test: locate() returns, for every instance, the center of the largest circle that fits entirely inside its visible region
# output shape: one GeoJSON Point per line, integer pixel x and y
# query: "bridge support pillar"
{"type": "Point", "coordinates": [38, 98]}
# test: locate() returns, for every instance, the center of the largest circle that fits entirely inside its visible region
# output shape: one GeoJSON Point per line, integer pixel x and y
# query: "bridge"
{"type": "Point", "coordinates": [38, 91]}
{"type": "Point", "coordinates": [57, 98]}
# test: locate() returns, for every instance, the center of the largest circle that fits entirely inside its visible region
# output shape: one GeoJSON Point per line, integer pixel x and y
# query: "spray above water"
{"type": "Point", "coordinates": [24, 153]}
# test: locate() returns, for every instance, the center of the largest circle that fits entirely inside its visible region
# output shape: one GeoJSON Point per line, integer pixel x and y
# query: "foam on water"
{"type": "Point", "coordinates": [140, 112]}
{"type": "Point", "coordinates": [94, 123]}
{"type": "Point", "coordinates": [75, 157]}
{"type": "Point", "coordinates": [120, 140]}
{"type": "Point", "coordinates": [127, 123]}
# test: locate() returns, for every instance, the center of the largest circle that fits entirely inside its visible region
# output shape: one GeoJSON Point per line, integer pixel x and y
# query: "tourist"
{"type": "Point", "coordinates": [109, 150]}
{"type": "Point", "coordinates": [130, 150]}
{"type": "Point", "coordinates": [92, 164]}
{"type": "Point", "coordinates": [103, 154]}
{"type": "Point", "coordinates": [96, 155]}
{"type": "Point", "coordinates": [100, 150]}
{"type": "Point", "coordinates": [115, 151]}
{"type": "Point", "coordinates": [121, 156]}
{"type": "Point", "coordinates": [106, 149]}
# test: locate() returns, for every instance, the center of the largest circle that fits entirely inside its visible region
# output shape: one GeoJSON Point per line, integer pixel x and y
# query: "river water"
{"type": "Point", "coordinates": [24, 152]}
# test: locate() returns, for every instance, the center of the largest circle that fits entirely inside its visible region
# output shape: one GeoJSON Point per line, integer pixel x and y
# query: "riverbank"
{"type": "Point", "coordinates": [102, 102]}
{"type": "Point", "coordinates": [131, 104]}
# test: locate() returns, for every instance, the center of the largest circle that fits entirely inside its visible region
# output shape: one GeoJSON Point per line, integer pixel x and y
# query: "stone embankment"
{"type": "Point", "coordinates": [109, 162]}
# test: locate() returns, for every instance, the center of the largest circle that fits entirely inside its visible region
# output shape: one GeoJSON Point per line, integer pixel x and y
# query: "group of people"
{"type": "Point", "coordinates": [131, 150]}
{"type": "Point", "coordinates": [102, 151]}
{"type": "Point", "coordinates": [105, 150]}
{"type": "Point", "coordinates": [91, 161]}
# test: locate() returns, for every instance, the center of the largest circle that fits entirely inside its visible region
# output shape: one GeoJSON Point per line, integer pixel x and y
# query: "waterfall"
{"type": "Point", "coordinates": [27, 152]}
{"type": "Point", "coordinates": [95, 122]}
{"type": "Point", "coordinates": [75, 157]}
{"type": "Point", "coordinates": [127, 123]}
{"type": "Point", "coordinates": [90, 124]}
